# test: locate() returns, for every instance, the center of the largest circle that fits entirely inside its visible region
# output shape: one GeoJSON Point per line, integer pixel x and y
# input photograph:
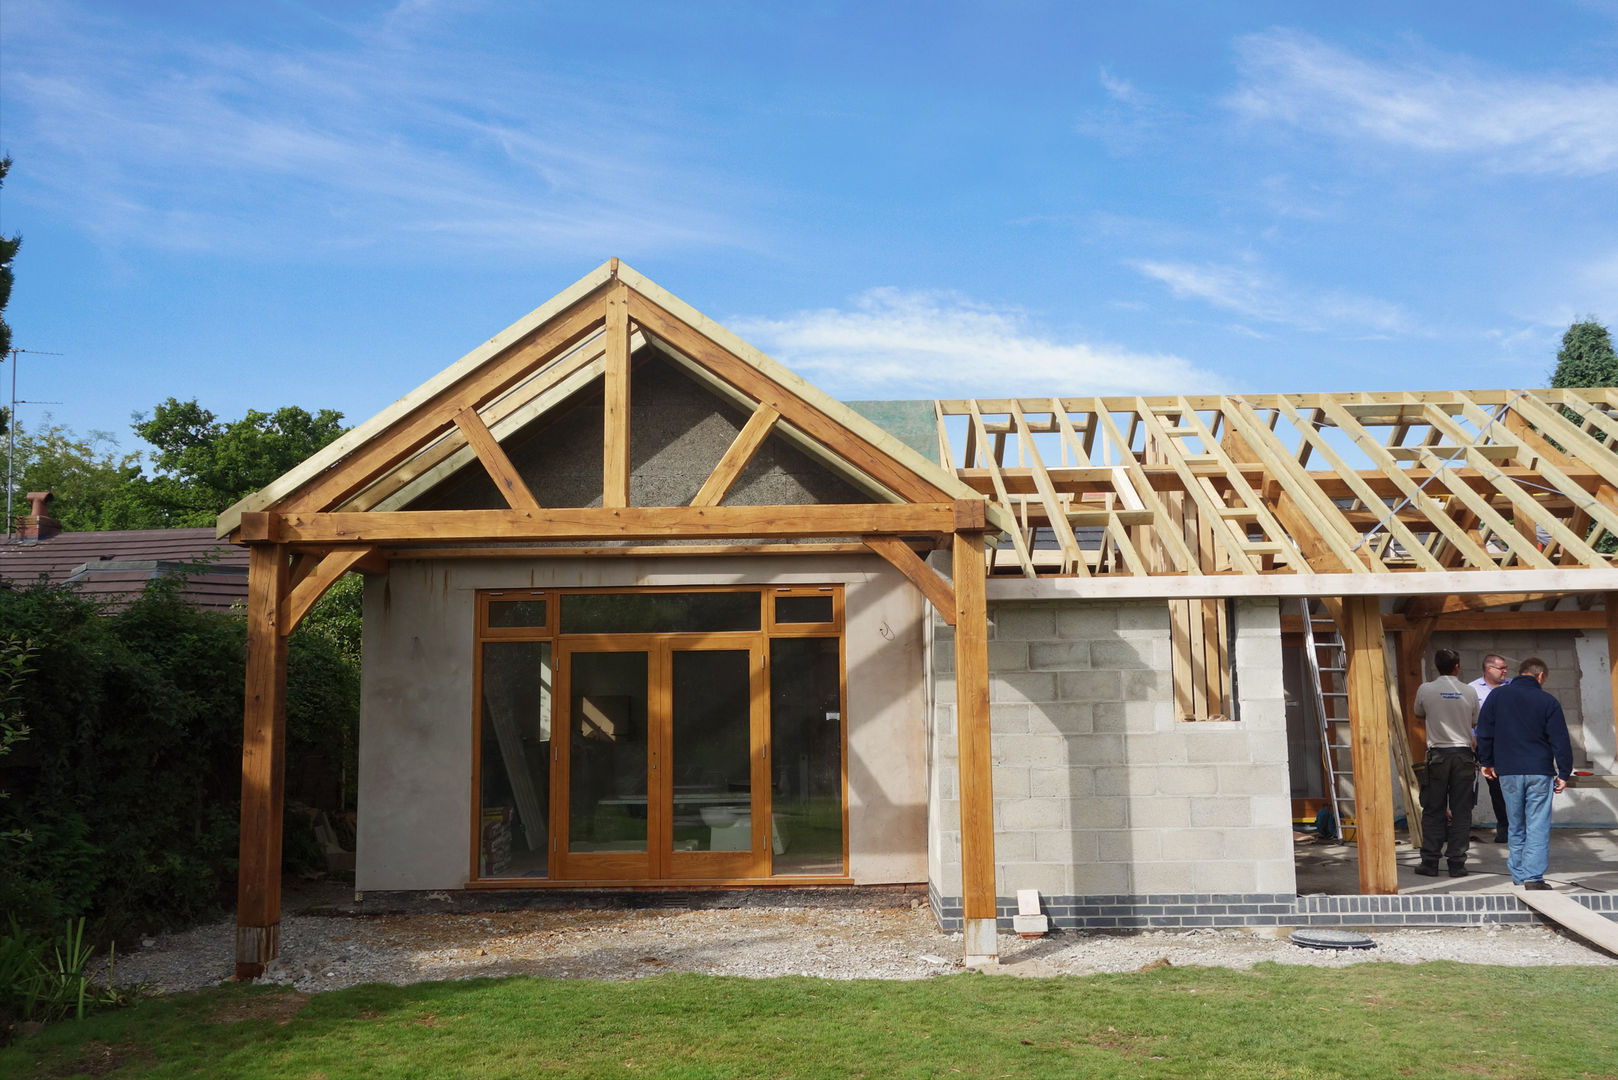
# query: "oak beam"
{"type": "Point", "coordinates": [973, 758]}
{"type": "Point", "coordinates": [301, 597]}
{"type": "Point", "coordinates": [499, 467]}
{"type": "Point", "coordinates": [258, 887]}
{"type": "Point", "coordinates": [1361, 623]}
{"type": "Point", "coordinates": [736, 456]}
{"type": "Point", "coordinates": [601, 523]}
{"type": "Point", "coordinates": [615, 401]}
{"type": "Point", "coordinates": [905, 560]}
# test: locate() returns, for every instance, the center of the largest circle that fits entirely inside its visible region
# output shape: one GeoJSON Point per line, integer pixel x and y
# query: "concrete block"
{"type": "Point", "coordinates": [1121, 655]}
{"type": "Point", "coordinates": [1158, 811]}
{"type": "Point", "coordinates": [1079, 620]}
{"type": "Point", "coordinates": [1224, 877]}
{"type": "Point", "coordinates": [1045, 750]}
{"type": "Point", "coordinates": [1188, 780]}
{"type": "Point", "coordinates": [1125, 780]}
{"type": "Point", "coordinates": [1006, 718]}
{"type": "Point", "coordinates": [1060, 718]}
{"type": "Point", "coordinates": [1059, 655]}
{"type": "Point", "coordinates": [1051, 879]}
{"type": "Point", "coordinates": [1148, 685]}
{"type": "Point", "coordinates": [1022, 686]}
{"type": "Point", "coordinates": [1103, 879]}
{"type": "Point", "coordinates": [1023, 621]}
{"type": "Point", "coordinates": [1209, 744]}
{"type": "Point", "coordinates": [944, 656]}
{"type": "Point", "coordinates": [1098, 813]}
{"type": "Point", "coordinates": [1132, 715]}
{"type": "Point", "coordinates": [1096, 750]}
{"type": "Point", "coordinates": [1151, 749]}
{"type": "Point", "coordinates": [1274, 811]}
{"type": "Point", "coordinates": [1129, 845]}
{"type": "Point", "coordinates": [1019, 846]}
{"type": "Point", "coordinates": [1046, 783]}
{"type": "Point", "coordinates": [1164, 877]}
{"type": "Point", "coordinates": [1010, 782]}
{"type": "Point", "coordinates": [1254, 845]}
{"type": "Point", "coordinates": [1090, 685]}
{"type": "Point", "coordinates": [1032, 813]}
{"type": "Point", "coordinates": [1063, 846]}
{"type": "Point", "coordinates": [1008, 656]}
{"type": "Point", "coordinates": [1145, 615]}
{"type": "Point", "coordinates": [1232, 812]}
{"type": "Point", "coordinates": [1280, 876]}
{"type": "Point", "coordinates": [1252, 779]}
{"type": "Point", "coordinates": [1193, 845]}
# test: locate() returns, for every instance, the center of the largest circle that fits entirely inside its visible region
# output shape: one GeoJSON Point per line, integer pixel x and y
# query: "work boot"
{"type": "Point", "coordinates": [1427, 869]}
{"type": "Point", "coordinates": [1537, 885]}
{"type": "Point", "coordinates": [1457, 869]}
{"type": "Point", "coordinates": [1500, 837]}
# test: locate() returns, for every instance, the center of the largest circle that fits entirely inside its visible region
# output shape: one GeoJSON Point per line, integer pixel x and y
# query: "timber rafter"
{"type": "Point", "coordinates": [1359, 483]}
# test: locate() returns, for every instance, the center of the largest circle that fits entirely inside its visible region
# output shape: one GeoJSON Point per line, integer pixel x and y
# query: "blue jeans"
{"type": "Point", "coordinates": [1528, 836]}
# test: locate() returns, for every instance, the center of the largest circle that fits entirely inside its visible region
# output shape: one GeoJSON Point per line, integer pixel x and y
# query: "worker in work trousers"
{"type": "Point", "coordinates": [1450, 708]}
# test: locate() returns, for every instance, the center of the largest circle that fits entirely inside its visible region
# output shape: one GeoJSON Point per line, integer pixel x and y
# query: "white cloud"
{"type": "Point", "coordinates": [1251, 292]}
{"type": "Point", "coordinates": [1129, 120]}
{"type": "Point", "coordinates": [375, 135]}
{"type": "Point", "coordinates": [1441, 105]}
{"type": "Point", "coordinates": [894, 342]}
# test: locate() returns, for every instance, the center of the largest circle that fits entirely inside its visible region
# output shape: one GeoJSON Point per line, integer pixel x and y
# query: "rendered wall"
{"type": "Point", "coordinates": [415, 753]}
{"type": "Point", "coordinates": [1102, 799]}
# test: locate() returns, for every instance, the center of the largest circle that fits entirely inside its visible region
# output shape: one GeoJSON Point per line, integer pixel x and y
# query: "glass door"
{"type": "Point", "coordinates": [605, 802]}
{"type": "Point", "coordinates": [717, 795]}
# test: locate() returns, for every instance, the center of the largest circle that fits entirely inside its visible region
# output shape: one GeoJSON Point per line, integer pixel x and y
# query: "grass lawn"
{"type": "Point", "coordinates": [1368, 1020]}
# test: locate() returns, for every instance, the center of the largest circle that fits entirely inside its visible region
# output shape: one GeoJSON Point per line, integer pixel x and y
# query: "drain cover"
{"type": "Point", "coordinates": [1331, 939]}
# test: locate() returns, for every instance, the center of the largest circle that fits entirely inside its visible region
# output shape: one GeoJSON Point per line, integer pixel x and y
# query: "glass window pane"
{"type": "Point", "coordinates": [712, 763]}
{"type": "Point", "coordinates": [806, 756]}
{"type": "Point", "coordinates": [659, 613]}
{"type": "Point", "coordinates": [803, 609]}
{"type": "Point", "coordinates": [607, 752]}
{"type": "Point", "coordinates": [513, 833]}
{"type": "Point", "coordinates": [516, 613]}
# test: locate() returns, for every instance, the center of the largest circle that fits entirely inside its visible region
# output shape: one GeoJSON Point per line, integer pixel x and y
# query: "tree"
{"type": "Point", "coordinates": [8, 252]}
{"type": "Point", "coordinates": [96, 486]}
{"type": "Point", "coordinates": [203, 465]}
{"type": "Point", "coordinates": [1586, 357]}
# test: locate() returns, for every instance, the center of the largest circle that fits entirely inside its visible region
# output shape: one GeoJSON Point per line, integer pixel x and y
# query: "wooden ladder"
{"type": "Point", "coordinates": [1328, 678]}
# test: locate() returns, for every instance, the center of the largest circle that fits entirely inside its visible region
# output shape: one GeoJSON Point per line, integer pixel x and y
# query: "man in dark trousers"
{"type": "Point", "coordinates": [1522, 739]}
{"type": "Point", "coordinates": [1494, 674]}
{"type": "Point", "coordinates": [1450, 708]}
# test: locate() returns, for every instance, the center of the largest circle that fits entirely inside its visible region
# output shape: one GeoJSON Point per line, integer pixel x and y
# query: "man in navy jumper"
{"type": "Point", "coordinates": [1522, 740]}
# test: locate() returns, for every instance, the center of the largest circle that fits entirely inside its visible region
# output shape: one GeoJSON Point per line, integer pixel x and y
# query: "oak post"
{"type": "Point", "coordinates": [1369, 735]}
{"type": "Point", "coordinates": [973, 752]}
{"type": "Point", "coordinates": [615, 467]}
{"type": "Point", "coordinates": [258, 897]}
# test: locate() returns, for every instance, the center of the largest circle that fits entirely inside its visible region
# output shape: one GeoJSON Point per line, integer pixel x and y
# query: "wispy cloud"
{"type": "Point", "coordinates": [1129, 119]}
{"type": "Point", "coordinates": [1438, 104]}
{"type": "Point", "coordinates": [1250, 292]}
{"type": "Point", "coordinates": [926, 344]}
{"type": "Point", "coordinates": [375, 136]}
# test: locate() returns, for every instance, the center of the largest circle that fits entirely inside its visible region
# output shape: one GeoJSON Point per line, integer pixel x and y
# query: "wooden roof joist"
{"type": "Point", "coordinates": [1355, 483]}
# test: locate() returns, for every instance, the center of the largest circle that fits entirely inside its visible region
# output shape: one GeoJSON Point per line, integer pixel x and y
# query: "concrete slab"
{"type": "Point", "coordinates": [1581, 859]}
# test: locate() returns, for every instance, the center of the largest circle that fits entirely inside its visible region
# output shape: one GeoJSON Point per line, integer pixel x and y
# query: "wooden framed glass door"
{"type": "Point", "coordinates": [662, 765]}
{"type": "Point", "coordinates": [717, 776]}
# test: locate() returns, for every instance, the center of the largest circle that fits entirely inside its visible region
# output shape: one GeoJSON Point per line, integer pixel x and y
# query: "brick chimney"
{"type": "Point", "coordinates": [38, 525]}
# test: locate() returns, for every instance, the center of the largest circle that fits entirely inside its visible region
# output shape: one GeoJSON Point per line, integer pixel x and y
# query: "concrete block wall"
{"type": "Point", "coordinates": [1099, 791]}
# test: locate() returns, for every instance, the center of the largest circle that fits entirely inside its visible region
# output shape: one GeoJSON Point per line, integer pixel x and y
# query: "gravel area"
{"type": "Point", "coordinates": [332, 951]}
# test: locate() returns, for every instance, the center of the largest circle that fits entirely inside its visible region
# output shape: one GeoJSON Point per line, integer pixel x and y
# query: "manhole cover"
{"type": "Point", "coordinates": [1331, 939]}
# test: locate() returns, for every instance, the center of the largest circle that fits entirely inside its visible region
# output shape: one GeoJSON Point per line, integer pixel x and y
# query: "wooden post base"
{"type": "Point", "coordinates": [981, 943]}
{"type": "Point", "coordinates": [256, 946]}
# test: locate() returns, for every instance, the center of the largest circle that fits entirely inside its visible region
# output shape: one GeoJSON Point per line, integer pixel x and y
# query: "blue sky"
{"type": "Point", "coordinates": [324, 204]}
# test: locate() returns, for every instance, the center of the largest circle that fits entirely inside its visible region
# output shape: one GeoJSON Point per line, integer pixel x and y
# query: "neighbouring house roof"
{"type": "Point", "coordinates": [114, 567]}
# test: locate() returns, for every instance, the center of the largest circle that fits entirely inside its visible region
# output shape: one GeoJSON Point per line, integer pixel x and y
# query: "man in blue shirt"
{"type": "Point", "coordinates": [1522, 740]}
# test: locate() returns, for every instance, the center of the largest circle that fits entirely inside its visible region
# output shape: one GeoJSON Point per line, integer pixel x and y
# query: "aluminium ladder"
{"type": "Point", "coordinates": [1331, 713]}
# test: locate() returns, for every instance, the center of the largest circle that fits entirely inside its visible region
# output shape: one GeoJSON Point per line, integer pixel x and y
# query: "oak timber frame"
{"type": "Point", "coordinates": [345, 509]}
